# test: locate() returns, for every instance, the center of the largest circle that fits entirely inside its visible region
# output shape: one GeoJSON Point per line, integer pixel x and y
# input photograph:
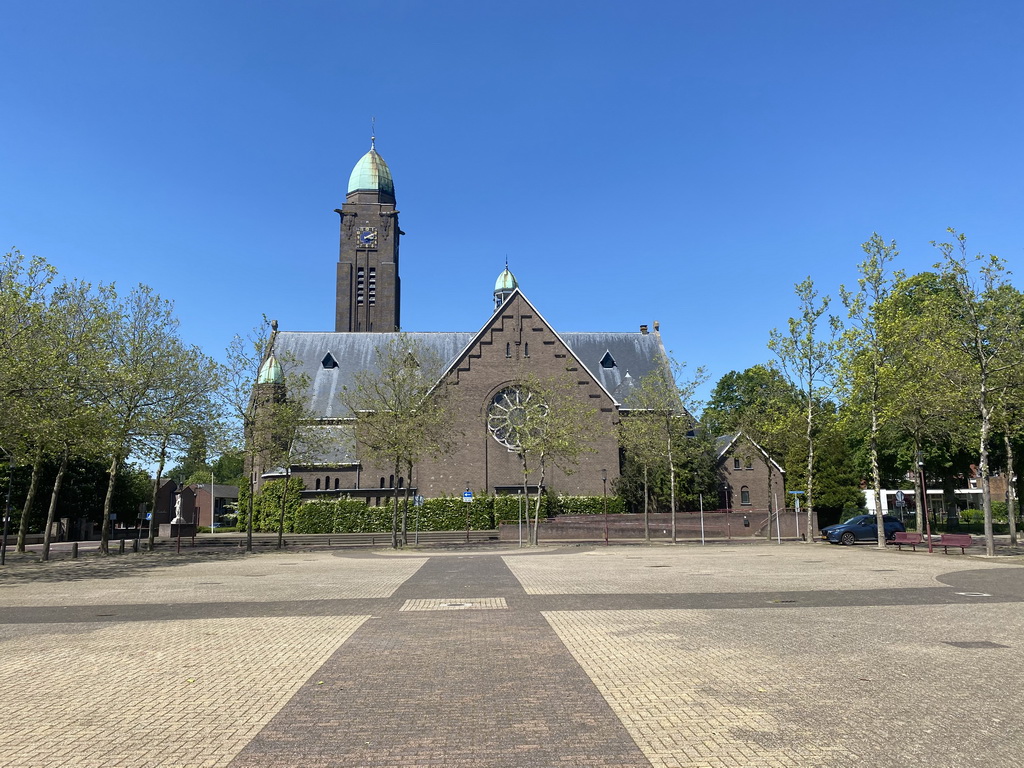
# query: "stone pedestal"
{"type": "Point", "coordinates": [173, 530]}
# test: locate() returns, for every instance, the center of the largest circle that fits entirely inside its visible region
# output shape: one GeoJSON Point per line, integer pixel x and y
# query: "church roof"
{"type": "Point", "coordinates": [371, 173]}
{"type": "Point", "coordinates": [608, 356]}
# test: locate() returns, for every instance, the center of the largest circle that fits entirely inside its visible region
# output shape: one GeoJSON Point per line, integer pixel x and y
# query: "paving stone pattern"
{"type": "Point", "coordinates": [753, 655]}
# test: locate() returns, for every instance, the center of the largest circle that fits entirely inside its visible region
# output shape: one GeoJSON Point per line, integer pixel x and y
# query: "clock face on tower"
{"type": "Point", "coordinates": [366, 237]}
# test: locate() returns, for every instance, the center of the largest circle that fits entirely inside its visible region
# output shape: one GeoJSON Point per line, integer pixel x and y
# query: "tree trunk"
{"type": "Point", "coordinates": [405, 505]}
{"type": "Point", "coordinates": [156, 491]}
{"type": "Point", "coordinates": [284, 501]}
{"type": "Point", "coordinates": [37, 465]}
{"type": "Point", "coordinates": [536, 511]}
{"type": "Point", "coordinates": [108, 503]}
{"type": "Point", "coordinates": [394, 509]}
{"type": "Point", "coordinates": [526, 497]}
{"type": "Point", "coordinates": [672, 483]}
{"type": "Point", "coordinates": [1011, 491]}
{"type": "Point", "coordinates": [920, 492]}
{"type": "Point", "coordinates": [647, 521]}
{"type": "Point", "coordinates": [986, 488]}
{"type": "Point", "coordinates": [51, 513]}
{"type": "Point", "coordinates": [810, 468]}
{"type": "Point", "coordinates": [876, 478]}
{"type": "Point", "coordinates": [248, 522]}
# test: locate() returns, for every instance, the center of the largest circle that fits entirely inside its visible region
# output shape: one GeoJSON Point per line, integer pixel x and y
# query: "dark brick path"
{"type": "Point", "coordinates": [448, 688]}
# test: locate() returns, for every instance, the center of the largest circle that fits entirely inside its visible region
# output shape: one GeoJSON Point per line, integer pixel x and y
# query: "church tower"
{"type": "Point", "coordinates": [368, 287]}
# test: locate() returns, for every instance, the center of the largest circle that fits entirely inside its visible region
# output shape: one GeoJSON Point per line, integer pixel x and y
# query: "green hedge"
{"type": "Point", "coordinates": [344, 515]}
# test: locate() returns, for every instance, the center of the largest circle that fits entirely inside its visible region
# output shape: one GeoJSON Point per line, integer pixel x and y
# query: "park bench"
{"type": "Point", "coordinates": [946, 540]}
{"type": "Point", "coordinates": [904, 537]}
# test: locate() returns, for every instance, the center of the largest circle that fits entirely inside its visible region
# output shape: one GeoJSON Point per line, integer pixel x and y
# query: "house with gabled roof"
{"type": "Point", "coordinates": [748, 477]}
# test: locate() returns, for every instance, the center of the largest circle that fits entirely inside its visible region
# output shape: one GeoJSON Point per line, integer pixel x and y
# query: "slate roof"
{"type": "Point", "coordinates": [304, 353]}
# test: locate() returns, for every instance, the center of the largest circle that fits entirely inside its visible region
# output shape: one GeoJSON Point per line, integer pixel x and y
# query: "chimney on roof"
{"type": "Point", "coordinates": [657, 327]}
{"type": "Point", "coordinates": [643, 330]}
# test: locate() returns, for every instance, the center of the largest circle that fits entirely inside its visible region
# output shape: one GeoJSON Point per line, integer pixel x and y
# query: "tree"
{"type": "Point", "coordinates": [547, 423]}
{"type": "Point", "coordinates": [982, 330]}
{"type": "Point", "coordinates": [657, 422]}
{"type": "Point", "coordinates": [807, 356]}
{"type": "Point", "coordinates": [139, 382]}
{"type": "Point", "coordinates": [866, 362]}
{"type": "Point", "coordinates": [263, 400]}
{"type": "Point", "coordinates": [400, 412]}
{"type": "Point", "coordinates": [763, 405]}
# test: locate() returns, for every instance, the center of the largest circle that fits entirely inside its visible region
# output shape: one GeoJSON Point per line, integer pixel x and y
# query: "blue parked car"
{"type": "Point", "coordinates": [861, 528]}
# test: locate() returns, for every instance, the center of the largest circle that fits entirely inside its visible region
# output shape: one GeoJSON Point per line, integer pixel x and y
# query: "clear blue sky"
{"type": "Point", "coordinates": [675, 161]}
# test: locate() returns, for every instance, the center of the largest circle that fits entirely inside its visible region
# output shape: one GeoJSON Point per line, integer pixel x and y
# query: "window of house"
{"type": "Point", "coordinates": [329, 361]}
{"type": "Point", "coordinates": [735, 463]}
{"type": "Point", "coordinates": [745, 496]}
{"type": "Point", "coordinates": [607, 361]}
{"type": "Point", "coordinates": [526, 349]}
{"type": "Point", "coordinates": [337, 483]}
{"type": "Point", "coordinates": [750, 464]}
{"type": "Point", "coordinates": [318, 483]}
{"type": "Point", "coordinates": [327, 483]}
{"type": "Point", "coordinates": [508, 349]}
{"type": "Point", "coordinates": [382, 483]}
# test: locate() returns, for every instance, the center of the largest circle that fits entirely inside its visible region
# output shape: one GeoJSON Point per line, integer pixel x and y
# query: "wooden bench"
{"type": "Point", "coordinates": [903, 537]}
{"type": "Point", "coordinates": [946, 540]}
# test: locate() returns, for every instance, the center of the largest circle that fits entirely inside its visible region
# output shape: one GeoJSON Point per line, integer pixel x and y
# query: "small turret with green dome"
{"type": "Point", "coordinates": [504, 286]}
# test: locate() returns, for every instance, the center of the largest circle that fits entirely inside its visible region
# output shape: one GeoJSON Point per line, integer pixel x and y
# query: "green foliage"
{"type": "Point", "coordinates": [346, 515]}
{"type": "Point", "coordinates": [266, 508]}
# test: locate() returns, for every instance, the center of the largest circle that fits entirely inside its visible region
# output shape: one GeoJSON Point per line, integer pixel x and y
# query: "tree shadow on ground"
{"type": "Point", "coordinates": [28, 568]}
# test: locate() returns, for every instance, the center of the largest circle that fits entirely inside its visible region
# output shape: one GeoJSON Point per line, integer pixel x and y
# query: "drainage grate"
{"type": "Point", "coordinates": [974, 644]}
{"type": "Point", "coordinates": [451, 604]}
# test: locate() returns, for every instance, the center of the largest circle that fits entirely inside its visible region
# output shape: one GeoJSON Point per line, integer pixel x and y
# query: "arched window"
{"type": "Point", "coordinates": [392, 483]}
{"type": "Point", "coordinates": [337, 483]}
{"type": "Point", "coordinates": [401, 482]}
{"type": "Point", "coordinates": [327, 482]}
{"type": "Point", "coordinates": [318, 483]}
{"type": "Point", "coordinates": [382, 483]}
{"type": "Point", "coordinates": [745, 496]}
{"type": "Point", "coordinates": [526, 349]}
{"type": "Point", "coordinates": [508, 349]}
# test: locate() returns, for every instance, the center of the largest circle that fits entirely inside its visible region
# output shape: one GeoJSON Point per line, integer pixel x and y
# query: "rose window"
{"type": "Point", "coordinates": [512, 414]}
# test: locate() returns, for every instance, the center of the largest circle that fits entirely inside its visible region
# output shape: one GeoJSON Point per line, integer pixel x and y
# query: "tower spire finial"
{"type": "Point", "coordinates": [373, 133]}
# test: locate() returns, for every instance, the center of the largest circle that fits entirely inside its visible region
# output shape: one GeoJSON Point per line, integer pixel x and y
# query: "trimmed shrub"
{"type": "Point", "coordinates": [448, 513]}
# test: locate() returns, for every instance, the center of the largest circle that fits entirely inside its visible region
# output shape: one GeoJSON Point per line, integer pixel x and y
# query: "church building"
{"type": "Point", "coordinates": [483, 368]}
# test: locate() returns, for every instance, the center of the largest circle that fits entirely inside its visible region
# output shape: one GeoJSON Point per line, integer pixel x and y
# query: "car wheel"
{"type": "Point", "coordinates": [848, 539]}
{"type": "Point", "coordinates": [891, 536]}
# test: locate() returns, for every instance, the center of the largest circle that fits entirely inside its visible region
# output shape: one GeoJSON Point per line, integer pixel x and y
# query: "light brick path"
{"type": "Point", "coordinates": [185, 694]}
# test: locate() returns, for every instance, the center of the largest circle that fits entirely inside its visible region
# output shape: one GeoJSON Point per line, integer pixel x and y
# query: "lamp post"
{"type": "Point", "coordinates": [924, 499]}
{"type": "Point", "coordinates": [604, 485]}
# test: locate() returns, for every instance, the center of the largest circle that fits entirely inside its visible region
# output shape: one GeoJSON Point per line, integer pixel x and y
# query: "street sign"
{"type": "Point", "coordinates": [467, 496]}
{"type": "Point", "coordinates": [900, 497]}
{"type": "Point", "coordinates": [417, 501]}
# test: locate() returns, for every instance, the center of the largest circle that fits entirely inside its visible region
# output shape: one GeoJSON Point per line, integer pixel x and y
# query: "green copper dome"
{"type": "Point", "coordinates": [506, 282]}
{"type": "Point", "coordinates": [270, 372]}
{"type": "Point", "coordinates": [371, 174]}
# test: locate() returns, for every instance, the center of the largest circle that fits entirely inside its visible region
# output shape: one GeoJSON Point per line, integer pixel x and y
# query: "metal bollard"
{"type": "Point", "coordinates": [120, 547]}
{"type": "Point", "coordinates": [74, 550]}
{"type": "Point", "coordinates": [135, 545]}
